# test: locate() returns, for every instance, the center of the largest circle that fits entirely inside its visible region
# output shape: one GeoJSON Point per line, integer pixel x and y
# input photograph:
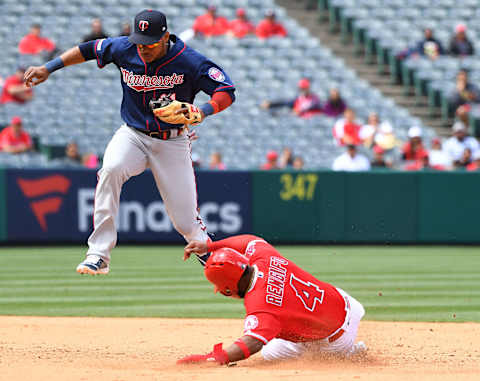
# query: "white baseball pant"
{"type": "Point", "coordinates": [128, 154]}
{"type": "Point", "coordinates": [279, 349]}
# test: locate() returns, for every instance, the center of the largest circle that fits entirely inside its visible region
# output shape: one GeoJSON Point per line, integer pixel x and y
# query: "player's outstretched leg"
{"type": "Point", "coordinates": [280, 349]}
{"type": "Point", "coordinates": [172, 169]}
{"type": "Point", "coordinates": [123, 159]}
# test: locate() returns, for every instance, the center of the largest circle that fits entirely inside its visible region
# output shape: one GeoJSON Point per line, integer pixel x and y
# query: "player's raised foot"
{"type": "Point", "coordinates": [93, 265]}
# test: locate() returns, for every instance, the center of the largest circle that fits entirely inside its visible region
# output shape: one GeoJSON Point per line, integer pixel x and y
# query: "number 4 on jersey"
{"type": "Point", "coordinates": [309, 293]}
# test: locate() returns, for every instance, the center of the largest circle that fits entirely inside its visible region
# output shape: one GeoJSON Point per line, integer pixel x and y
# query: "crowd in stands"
{"type": "Point", "coordinates": [460, 151]}
{"type": "Point", "coordinates": [307, 104]}
{"type": "Point", "coordinates": [96, 31]}
{"type": "Point", "coordinates": [366, 144]}
{"type": "Point", "coordinates": [466, 93]}
{"type": "Point", "coordinates": [211, 24]}
{"type": "Point", "coordinates": [374, 144]}
{"type": "Point", "coordinates": [73, 156]}
{"type": "Point", "coordinates": [34, 43]}
{"type": "Point", "coordinates": [459, 46]}
{"type": "Point", "coordinates": [465, 96]}
{"type": "Point", "coordinates": [286, 161]}
{"type": "Point", "coordinates": [14, 89]}
{"type": "Point", "coordinates": [14, 139]}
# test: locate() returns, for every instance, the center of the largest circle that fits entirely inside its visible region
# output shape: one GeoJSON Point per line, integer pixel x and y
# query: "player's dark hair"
{"type": "Point", "coordinates": [244, 281]}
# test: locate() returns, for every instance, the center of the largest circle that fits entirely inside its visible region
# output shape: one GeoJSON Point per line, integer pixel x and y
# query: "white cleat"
{"type": "Point", "coordinates": [93, 265]}
{"type": "Point", "coordinates": [358, 349]}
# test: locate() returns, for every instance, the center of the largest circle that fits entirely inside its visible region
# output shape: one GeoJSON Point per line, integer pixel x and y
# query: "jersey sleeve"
{"type": "Point", "coordinates": [104, 50]}
{"type": "Point", "coordinates": [262, 326]}
{"type": "Point", "coordinates": [211, 78]}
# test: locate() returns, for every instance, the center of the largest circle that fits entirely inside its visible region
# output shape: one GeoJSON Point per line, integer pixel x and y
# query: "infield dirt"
{"type": "Point", "coordinates": [48, 348]}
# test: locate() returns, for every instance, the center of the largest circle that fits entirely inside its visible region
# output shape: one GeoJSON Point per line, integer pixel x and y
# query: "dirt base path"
{"type": "Point", "coordinates": [42, 348]}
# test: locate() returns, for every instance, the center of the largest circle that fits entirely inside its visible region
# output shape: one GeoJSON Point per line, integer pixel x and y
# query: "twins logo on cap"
{"type": "Point", "coordinates": [216, 74]}
{"type": "Point", "coordinates": [143, 25]}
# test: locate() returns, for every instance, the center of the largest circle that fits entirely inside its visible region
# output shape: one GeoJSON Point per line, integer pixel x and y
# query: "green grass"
{"type": "Point", "coordinates": [393, 283]}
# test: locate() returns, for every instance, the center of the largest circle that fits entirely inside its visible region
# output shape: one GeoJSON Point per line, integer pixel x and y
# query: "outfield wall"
{"type": "Point", "coordinates": [376, 207]}
{"type": "Point", "coordinates": [286, 207]}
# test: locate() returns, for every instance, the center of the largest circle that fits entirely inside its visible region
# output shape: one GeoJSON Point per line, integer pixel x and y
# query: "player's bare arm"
{"type": "Point", "coordinates": [236, 351]}
{"type": "Point", "coordinates": [35, 75]}
{"type": "Point", "coordinates": [242, 349]}
{"type": "Point", "coordinates": [194, 247]}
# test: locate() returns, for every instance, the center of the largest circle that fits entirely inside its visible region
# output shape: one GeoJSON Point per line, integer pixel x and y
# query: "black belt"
{"type": "Point", "coordinates": [163, 134]}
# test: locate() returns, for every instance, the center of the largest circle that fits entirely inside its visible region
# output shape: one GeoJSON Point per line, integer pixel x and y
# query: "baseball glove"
{"type": "Point", "coordinates": [175, 112]}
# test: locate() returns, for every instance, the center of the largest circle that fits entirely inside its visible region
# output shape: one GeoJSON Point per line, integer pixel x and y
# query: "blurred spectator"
{"type": "Point", "coordinates": [379, 159]}
{"type": "Point", "coordinates": [455, 146]}
{"type": "Point", "coordinates": [460, 45]}
{"type": "Point", "coordinates": [272, 157]}
{"type": "Point", "coordinates": [423, 163]}
{"type": "Point", "coordinates": [385, 138]}
{"type": "Point", "coordinates": [305, 105]}
{"type": "Point", "coordinates": [96, 31]}
{"type": "Point", "coordinates": [210, 24]}
{"type": "Point", "coordinates": [437, 156]}
{"type": "Point", "coordinates": [216, 161]}
{"type": "Point", "coordinates": [465, 94]}
{"type": "Point", "coordinates": [347, 131]}
{"type": "Point", "coordinates": [286, 159]}
{"type": "Point", "coordinates": [298, 163]}
{"type": "Point", "coordinates": [88, 160]}
{"type": "Point", "coordinates": [351, 161]}
{"type": "Point", "coordinates": [241, 26]}
{"type": "Point", "coordinates": [334, 106]}
{"type": "Point", "coordinates": [475, 164]}
{"type": "Point", "coordinates": [414, 149]}
{"type": "Point", "coordinates": [429, 46]}
{"type": "Point", "coordinates": [269, 27]}
{"type": "Point", "coordinates": [196, 162]}
{"type": "Point", "coordinates": [465, 160]}
{"type": "Point", "coordinates": [14, 139]}
{"type": "Point", "coordinates": [15, 90]}
{"type": "Point", "coordinates": [370, 129]}
{"type": "Point", "coordinates": [126, 29]}
{"type": "Point", "coordinates": [34, 43]}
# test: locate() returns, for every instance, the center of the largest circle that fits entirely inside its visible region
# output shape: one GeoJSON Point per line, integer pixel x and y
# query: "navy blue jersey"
{"type": "Point", "coordinates": [180, 75]}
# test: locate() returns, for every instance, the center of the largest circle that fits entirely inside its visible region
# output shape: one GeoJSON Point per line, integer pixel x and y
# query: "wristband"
{"type": "Point", "coordinates": [243, 347]}
{"type": "Point", "coordinates": [220, 355]}
{"type": "Point", "coordinates": [54, 65]}
{"type": "Point", "coordinates": [209, 108]}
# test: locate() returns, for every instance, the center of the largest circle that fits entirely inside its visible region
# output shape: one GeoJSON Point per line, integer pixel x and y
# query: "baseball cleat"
{"type": "Point", "coordinates": [358, 349]}
{"type": "Point", "coordinates": [93, 265]}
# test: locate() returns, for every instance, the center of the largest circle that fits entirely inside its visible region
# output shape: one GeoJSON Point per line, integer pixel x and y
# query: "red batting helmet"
{"type": "Point", "coordinates": [224, 269]}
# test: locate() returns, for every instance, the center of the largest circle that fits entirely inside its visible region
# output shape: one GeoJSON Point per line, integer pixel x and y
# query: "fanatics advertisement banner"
{"type": "Point", "coordinates": [57, 206]}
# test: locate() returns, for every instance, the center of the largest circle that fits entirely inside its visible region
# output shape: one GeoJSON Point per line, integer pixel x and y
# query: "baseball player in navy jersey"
{"type": "Point", "coordinates": [153, 65]}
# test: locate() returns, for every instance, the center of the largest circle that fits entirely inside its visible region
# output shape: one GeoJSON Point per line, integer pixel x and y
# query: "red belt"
{"type": "Point", "coordinates": [336, 336]}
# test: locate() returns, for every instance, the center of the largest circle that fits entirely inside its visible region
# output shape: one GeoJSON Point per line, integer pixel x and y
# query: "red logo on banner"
{"type": "Point", "coordinates": [43, 187]}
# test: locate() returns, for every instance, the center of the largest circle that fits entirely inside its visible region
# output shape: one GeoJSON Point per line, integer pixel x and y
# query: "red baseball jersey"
{"type": "Point", "coordinates": [285, 301]}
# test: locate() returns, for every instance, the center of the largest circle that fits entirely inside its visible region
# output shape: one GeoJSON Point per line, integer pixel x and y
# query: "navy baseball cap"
{"type": "Point", "coordinates": [149, 27]}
